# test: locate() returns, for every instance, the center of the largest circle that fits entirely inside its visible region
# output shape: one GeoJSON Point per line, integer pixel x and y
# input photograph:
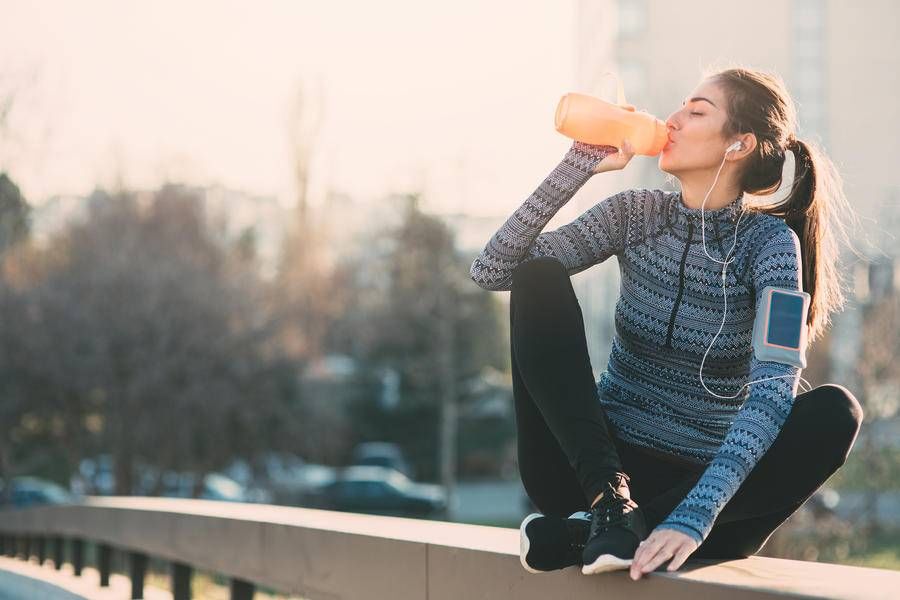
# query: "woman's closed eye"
{"type": "Point", "coordinates": [698, 114]}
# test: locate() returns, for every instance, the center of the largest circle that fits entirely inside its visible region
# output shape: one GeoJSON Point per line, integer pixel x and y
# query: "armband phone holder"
{"type": "Point", "coordinates": [780, 329]}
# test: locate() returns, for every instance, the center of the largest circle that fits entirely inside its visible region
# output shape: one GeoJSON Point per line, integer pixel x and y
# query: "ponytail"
{"type": "Point", "coordinates": [815, 207]}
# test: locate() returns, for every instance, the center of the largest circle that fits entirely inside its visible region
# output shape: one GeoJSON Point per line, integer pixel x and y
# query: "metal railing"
{"type": "Point", "coordinates": [327, 554]}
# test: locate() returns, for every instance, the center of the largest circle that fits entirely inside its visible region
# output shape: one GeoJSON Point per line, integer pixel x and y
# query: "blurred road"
{"type": "Point", "coordinates": [491, 501]}
{"type": "Point", "coordinates": [505, 501]}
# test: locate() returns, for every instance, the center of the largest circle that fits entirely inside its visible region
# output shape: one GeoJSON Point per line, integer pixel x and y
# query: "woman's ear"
{"type": "Point", "coordinates": [748, 144]}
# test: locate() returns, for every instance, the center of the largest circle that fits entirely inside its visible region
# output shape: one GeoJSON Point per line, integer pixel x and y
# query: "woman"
{"type": "Point", "coordinates": [646, 465]}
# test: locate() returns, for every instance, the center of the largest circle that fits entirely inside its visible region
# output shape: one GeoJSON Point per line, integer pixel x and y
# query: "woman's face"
{"type": "Point", "coordinates": [695, 132]}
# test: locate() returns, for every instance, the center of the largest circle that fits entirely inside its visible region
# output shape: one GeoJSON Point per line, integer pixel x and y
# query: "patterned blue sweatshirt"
{"type": "Point", "coordinates": [669, 309]}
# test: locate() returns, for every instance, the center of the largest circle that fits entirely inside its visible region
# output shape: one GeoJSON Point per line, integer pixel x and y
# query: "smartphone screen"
{"type": "Point", "coordinates": [785, 320]}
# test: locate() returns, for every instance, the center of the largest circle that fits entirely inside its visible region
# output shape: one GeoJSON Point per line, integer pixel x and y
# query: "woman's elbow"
{"type": "Point", "coordinates": [478, 273]}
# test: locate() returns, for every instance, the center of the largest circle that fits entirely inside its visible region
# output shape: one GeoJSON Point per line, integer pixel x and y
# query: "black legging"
{"type": "Point", "coordinates": [567, 447]}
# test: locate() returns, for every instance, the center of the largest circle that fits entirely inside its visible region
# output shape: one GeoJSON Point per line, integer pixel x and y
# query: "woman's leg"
{"type": "Point", "coordinates": [740, 539]}
{"type": "Point", "coordinates": [566, 452]}
{"type": "Point", "coordinates": [651, 476]}
{"type": "Point", "coordinates": [814, 442]}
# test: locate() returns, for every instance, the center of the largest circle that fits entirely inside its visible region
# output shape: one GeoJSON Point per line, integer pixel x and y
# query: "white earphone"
{"type": "Point", "coordinates": [738, 145]}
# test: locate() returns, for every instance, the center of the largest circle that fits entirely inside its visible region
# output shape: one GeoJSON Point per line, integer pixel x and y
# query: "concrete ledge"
{"type": "Point", "coordinates": [326, 554]}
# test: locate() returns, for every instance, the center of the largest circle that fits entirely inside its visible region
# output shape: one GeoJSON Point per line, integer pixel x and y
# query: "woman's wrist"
{"type": "Point", "coordinates": [585, 157]}
{"type": "Point", "coordinates": [576, 167]}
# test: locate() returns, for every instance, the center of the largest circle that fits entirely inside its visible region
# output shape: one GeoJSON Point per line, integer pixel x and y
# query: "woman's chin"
{"type": "Point", "coordinates": [664, 163]}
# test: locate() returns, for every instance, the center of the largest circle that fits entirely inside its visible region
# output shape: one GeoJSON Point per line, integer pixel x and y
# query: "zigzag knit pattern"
{"type": "Point", "coordinates": [669, 309]}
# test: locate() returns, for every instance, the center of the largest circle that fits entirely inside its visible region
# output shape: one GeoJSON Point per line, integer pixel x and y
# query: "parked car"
{"type": "Point", "coordinates": [95, 476]}
{"type": "Point", "coordinates": [215, 486]}
{"type": "Point", "coordinates": [381, 454]}
{"type": "Point", "coordinates": [28, 491]}
{"type": "Point", "coordinates": [282, 477]}
{"type": "Point", "coordinates": [384, 491]}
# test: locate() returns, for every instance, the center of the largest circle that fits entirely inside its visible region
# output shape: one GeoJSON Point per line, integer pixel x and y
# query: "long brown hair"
{"type": "Point", "coordinates": [815, 207]}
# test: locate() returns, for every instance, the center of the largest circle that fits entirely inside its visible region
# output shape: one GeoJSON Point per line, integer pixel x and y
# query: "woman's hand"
{"type": "Point", "coordinates": [660, 546]}
{"type": "Point", "coordinates": [616, 161]}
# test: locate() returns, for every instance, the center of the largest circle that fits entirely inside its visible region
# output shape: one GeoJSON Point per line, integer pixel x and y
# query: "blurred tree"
{"type": "Point", "coordinates": [138, 333]}
{"type": "Point", "coordinates": [412, 308]}
{"type": "Point", "coordinates": [878, 373]}
{"type": "Point", "coordinates": [14, 228]}
{"type": "Point", "coordinates": [14, 214]}
{"type": "Point", "coordinates": [305, 293]}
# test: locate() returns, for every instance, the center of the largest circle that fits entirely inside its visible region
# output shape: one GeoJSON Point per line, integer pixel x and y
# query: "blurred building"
{"type": "Point", "coordinates": [835, 58]}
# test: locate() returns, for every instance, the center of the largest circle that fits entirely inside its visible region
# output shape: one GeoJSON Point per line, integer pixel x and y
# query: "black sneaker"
{"type": "Point", "coordinates": [551, 543]}
{"type": "Point", "coordinates": [617, 527]}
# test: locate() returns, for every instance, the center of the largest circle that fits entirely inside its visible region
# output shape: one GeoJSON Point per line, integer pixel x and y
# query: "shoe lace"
{"type": "Point", "coordinates": [611, 509]}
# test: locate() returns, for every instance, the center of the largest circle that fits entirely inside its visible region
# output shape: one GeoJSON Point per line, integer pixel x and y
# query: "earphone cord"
{"type": "Point", "coordinates": [724, 292]}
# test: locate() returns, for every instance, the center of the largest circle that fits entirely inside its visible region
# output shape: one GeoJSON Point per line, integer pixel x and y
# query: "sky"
{"type": "Point", "coordinates": [453, 99]}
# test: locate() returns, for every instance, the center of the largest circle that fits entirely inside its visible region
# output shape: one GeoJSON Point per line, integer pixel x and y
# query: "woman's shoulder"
{"type": "Point", "coordinates": [765, 228]}
{"type": "Point", "coordinates": [644, 200]}
{"type": "Point", "coordinates": [768, 223]}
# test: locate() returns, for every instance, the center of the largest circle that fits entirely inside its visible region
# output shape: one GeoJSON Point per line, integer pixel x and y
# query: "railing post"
{"type": "Point", "coordinates": [20, 546]}
{"type": "Point", "coordinates": [77, 555]}
{"type": "Point", "coordinates": [181, 581]}
{"type": "Point", "coordinates": [241, 590]}
{"type": "Point", "coordinates": [104, 558]}
{"type": "Point", "coordinates": [28, 546]}
{"type": "Point", "coordinates": [58, 552]}
{"type": "Point", "coordinates": [41, 549]}
{"type": "Point", "coordinates": [2, 544]}
{"type": "Point", "coordinates": [138, 568]}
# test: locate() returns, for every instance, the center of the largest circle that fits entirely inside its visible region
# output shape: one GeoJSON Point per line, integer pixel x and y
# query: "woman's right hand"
{"type": "Point", "coordinates": [616, 160]}
{"type": "Point", "coordinates": [598, 158]}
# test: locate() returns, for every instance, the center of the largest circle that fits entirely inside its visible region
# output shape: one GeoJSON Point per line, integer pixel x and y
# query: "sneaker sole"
{"type": "Point", "coordinates": [525, 543]}
{"type": "Point", "coordinates": [606, 562]}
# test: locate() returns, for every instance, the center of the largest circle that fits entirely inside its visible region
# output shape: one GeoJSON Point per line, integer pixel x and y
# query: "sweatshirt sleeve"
{"type": "Point", "coordinates": [762, 415]}
{"type": "Point", "coordinates": [591, 238]}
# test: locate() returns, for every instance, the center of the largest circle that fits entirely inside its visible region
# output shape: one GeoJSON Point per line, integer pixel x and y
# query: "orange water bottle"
{"type": "Point", "coordinates": [594, 121]}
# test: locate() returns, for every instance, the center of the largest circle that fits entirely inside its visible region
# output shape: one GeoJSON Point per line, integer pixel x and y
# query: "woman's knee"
{"type": "Point", "coordinates": [837, 404]}
{"type": "Point", "coordinates": [537, 273]}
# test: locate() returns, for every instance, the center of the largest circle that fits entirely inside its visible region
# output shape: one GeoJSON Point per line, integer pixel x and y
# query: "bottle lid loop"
{"type": "Point", "coordinates": [620, 97]}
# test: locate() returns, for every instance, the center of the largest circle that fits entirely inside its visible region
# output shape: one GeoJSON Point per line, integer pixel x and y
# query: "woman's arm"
{"type": "Point", "coordinates": [762, 415]}
{"type": "Point", "coordinates": [589, 239]}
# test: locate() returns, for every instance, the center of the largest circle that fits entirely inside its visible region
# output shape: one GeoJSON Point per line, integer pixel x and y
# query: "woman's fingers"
{"type": "Point", "coordinates": [627, 148]}
{"type": "Point", "coordinates": [679, 558]}
{"type": "Point", "coordinates": [646, 550]}
{"type": "Point", "coordinates": [653, 557]}
{"type": "Point", "coordinates": [615, 160]}
{"type": "Point", "coordinates": [662, 555]}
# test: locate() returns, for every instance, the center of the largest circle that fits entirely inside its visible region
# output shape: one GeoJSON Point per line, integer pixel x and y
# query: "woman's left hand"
{"type": "Point", "coordinates": [660, 546]}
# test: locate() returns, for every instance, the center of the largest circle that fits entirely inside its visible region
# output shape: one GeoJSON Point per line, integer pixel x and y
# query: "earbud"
{"type": "Point", "coordinates": [738, 145]}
